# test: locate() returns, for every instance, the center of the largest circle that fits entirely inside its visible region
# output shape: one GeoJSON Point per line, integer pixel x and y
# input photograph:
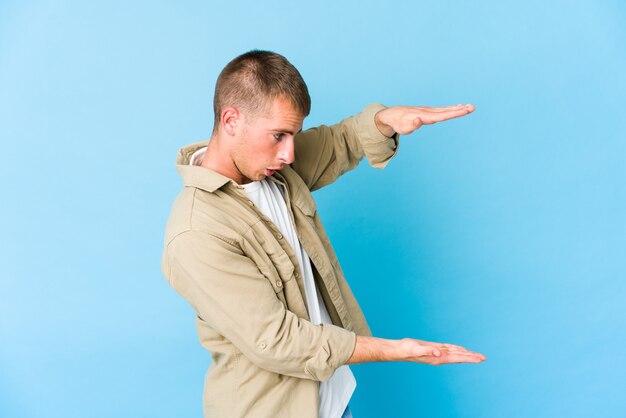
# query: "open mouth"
{"type": "Point", "coordinates": [270, 171]}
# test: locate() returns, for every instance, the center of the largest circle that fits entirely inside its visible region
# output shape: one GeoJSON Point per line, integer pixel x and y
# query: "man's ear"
{"type": "Point", "coordinates": [231, 120]}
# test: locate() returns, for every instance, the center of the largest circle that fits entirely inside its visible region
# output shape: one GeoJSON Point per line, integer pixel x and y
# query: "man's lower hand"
{"type": "Point", "coordinates": [436, 353]}
{"type": "Point", "coordinates": [371, 349]}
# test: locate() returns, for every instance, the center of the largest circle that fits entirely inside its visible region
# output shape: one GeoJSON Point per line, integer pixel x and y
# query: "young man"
{"type": "Point", "coordinates": [245, 246]}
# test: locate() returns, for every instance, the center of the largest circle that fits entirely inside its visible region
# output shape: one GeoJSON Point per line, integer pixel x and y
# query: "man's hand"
{"type": "Point", "coordinates": [370, 349]}
{"type": "Point", "coordinates": [437, 353]}
{"type": "Point", "coordinates": [406, 119]}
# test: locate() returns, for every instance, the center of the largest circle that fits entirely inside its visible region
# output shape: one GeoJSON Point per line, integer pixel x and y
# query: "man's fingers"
{"type": "Point", "coordinates": [459, 358]}
{"type": "Point", "coordinates": [469, 107]}
{"type": "Point", "coordinates": [456, 347]}
{"type": "Point", "coordinates": [448, 358]}
{"type": "Point", "coordinates": [440, 109]}
{"type": "Point", "coordinates": [457, 350]}
{"type": "Point", "coordinates": [455, 356]}
{"type": "Point", "coordinates": [439, 353]}
{"type": "Point", "coordinates": [441, 116]}
{"type": "Point", "coordinates": [426, 118]}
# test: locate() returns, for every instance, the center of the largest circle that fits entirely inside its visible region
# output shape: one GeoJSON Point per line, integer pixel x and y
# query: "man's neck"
{"type": "Point", "coordinates": [217, 158]}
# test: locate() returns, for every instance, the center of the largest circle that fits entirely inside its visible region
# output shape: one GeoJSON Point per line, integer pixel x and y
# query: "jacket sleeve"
{"type": "Point", "coordinates": [324, 153]}
{"type": "Point", "coordinates": [228, 291]}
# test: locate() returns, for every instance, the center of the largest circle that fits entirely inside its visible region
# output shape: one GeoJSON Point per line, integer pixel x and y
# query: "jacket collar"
{"type": "Point", "coordinates": [195, 175]}
{"type": "Point", "coordinates": [202, 177]}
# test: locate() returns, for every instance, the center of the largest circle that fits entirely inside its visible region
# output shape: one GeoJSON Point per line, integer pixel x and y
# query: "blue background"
{"type": "Point", "coordinates": [503, 231]}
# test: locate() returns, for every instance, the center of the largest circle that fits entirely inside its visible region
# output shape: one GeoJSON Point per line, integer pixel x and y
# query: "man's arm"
{"type": "Point", "coordinates": [370, 349]}
{"type": "Point", "coordinates": [324, 153]}
{"type": "Point", "coordinates": [233, 296]}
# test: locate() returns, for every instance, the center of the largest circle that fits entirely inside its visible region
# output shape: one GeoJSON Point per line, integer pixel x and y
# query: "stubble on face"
{"type": "Point", "coordinates": [256, 150]}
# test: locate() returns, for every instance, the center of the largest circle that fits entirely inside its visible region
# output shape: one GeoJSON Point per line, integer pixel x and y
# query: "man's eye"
{"type": "Point", "coordinates": [278, 137]}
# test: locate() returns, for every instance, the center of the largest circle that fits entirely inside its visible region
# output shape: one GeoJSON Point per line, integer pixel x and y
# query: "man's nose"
{"type": "Point", "coordinates": [286, 153]}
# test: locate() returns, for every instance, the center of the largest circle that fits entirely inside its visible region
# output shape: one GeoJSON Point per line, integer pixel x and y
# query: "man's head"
{"type": "Point", "coordinates": [260, 103]}
{"type": "Point", "coordinates": [251, 81]}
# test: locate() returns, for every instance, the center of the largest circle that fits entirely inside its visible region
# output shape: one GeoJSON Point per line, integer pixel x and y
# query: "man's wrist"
{"type": "Point", "coordinates": [373, 349]}
{"type": "Point", "coordinates": [383, 127]}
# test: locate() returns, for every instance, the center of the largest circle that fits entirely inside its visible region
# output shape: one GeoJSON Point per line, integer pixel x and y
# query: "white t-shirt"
{"type": "Point", "coordinates": [336, 392]}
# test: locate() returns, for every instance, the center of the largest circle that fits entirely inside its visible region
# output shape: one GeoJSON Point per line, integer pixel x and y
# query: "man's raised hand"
{"type": "Point", "coordinates": [406, 119]}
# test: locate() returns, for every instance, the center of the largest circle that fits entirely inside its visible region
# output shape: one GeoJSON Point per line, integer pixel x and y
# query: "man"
{"type": "Point", "coordinates": [245, 246]}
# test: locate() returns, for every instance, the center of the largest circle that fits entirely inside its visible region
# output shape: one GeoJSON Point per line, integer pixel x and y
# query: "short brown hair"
{"type": "Point", "coordinates": [252, 80]}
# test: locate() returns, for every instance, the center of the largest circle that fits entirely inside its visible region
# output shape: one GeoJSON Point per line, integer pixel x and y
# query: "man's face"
{"type": "Point", "coordinates": [266, 143]}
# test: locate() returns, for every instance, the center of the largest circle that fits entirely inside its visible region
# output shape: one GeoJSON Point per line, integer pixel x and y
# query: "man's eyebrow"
{"type": "Point", "coordinates": [287, 131]}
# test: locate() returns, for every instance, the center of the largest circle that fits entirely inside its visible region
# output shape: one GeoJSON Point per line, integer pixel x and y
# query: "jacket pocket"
{"type": "Point", "coordinates": [279, 271]}
{"type": "Point", "coordinates": [303, 200]}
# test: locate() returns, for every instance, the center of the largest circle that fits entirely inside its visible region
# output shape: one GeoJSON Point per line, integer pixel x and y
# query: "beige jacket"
{"type": "Point", "coordinates": [242, 278]}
